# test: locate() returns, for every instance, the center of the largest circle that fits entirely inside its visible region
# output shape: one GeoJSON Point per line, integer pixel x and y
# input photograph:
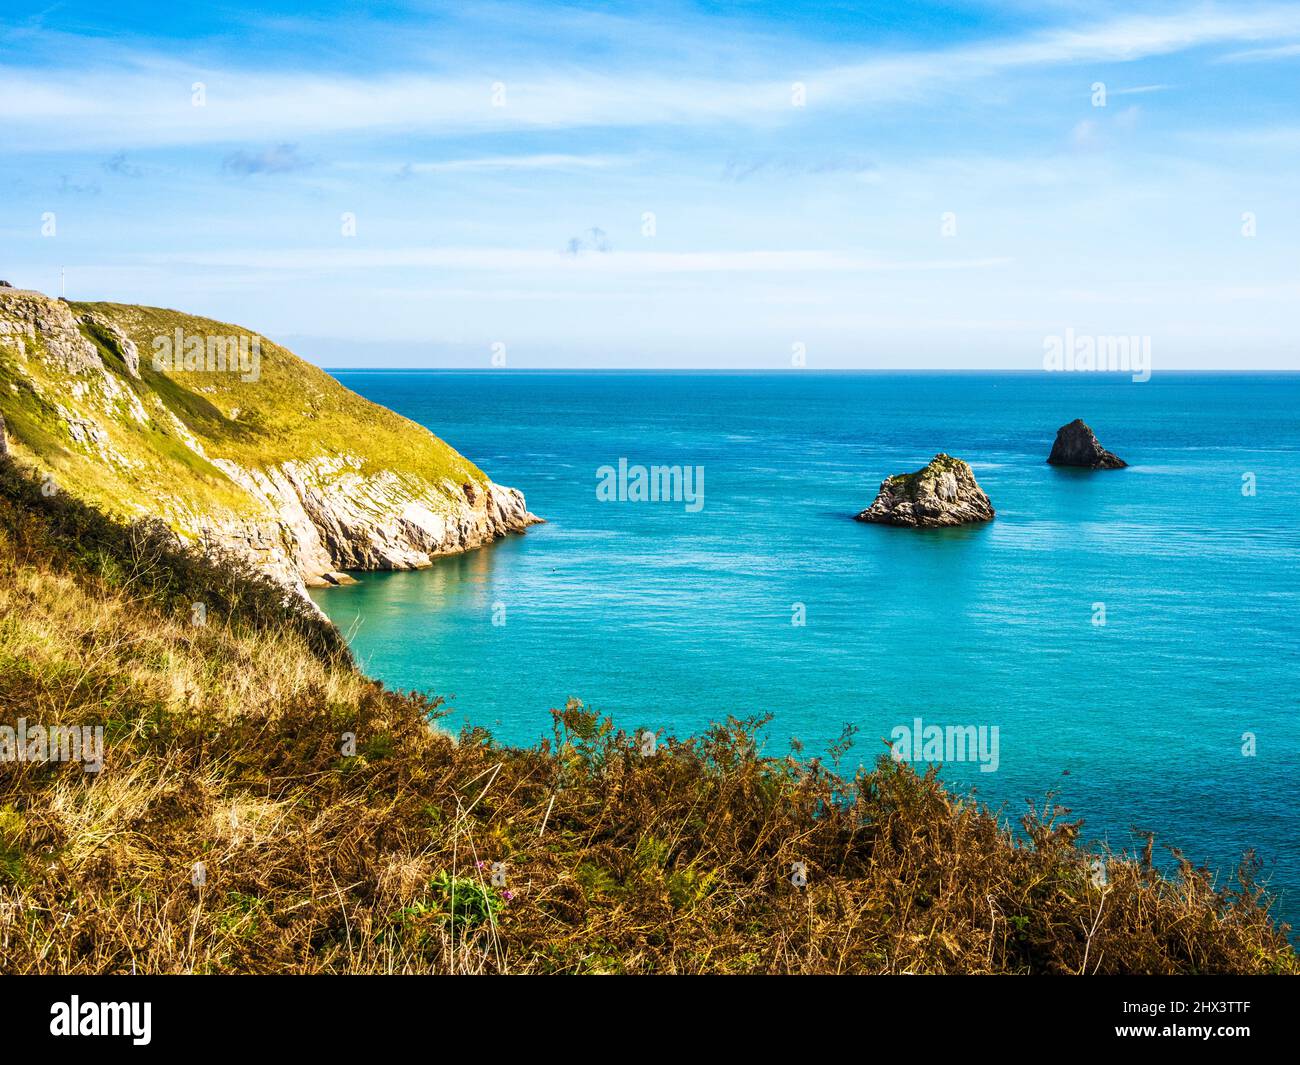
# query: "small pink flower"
{"type": "Point", "coordinates": [479, 865]}
{"type": "Point", "coordinates": [507, 895]}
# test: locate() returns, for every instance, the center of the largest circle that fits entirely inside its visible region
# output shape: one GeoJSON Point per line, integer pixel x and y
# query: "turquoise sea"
{"type": "Point", "coordinates": [669, 619]}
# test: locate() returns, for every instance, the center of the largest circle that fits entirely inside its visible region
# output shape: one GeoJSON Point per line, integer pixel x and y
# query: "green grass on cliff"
{"type": "Point", "coordinates": [294, 411]}
{"type": "Point", "coordinates": [338, 831]}
{"type": "Point", "coordinates": [156, 463]}
{"type": "Point", "coordinates": [909, 484]}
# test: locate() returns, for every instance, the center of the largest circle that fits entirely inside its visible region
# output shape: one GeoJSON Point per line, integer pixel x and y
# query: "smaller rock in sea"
{"type": "Point", "coordinates": [1077, 445]}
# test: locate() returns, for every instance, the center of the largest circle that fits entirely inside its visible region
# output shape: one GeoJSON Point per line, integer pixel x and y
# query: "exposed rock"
{"type": "Point", "coordinates": [331, 517]}
{"type": "Point", "coordinates": [34, 314]}
{"type": "Point", "coordinates": [4, 437]}
{"type": "Point", "coordinates": [5, 284]}
{"type": "Point", "coordinates": [943, 493]}
{"type": "Point", "coordinates": [337, 578]}
{"type": "Point", "coordinates": [1077, 445]}
{"type": "Point", "coordinates": [123, 344]}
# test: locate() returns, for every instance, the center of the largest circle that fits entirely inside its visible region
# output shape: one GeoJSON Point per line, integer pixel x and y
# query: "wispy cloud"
{"type": "Point", "coordinates": [947, 172]}
{"type": "Point", "coordinates": [120, 165]}
{"type": "Point", "coordinates": [1261, 55]}
{"type": "Point", "coordinates": [147, 98]}
{"type": "Point", "coordinates": [743, 168]}
{"type": "Point", "coordinates": [1139, 89]}
{"type": "Point", "coordinates": [508, 162]}
{"type": "Point", "coordinates": [277, 159]}
{"type": "Point", "coordinates": [68, 187]}
{"type": "Point", "coordinates": [534, 261]}
{"type": "Point", "coordinates": [595, 239]}
{"type": "Point", "coordinates": [1283, 138]}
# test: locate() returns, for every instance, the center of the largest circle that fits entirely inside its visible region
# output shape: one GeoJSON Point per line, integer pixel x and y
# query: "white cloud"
{"type": "Point", "coordinates": [513, 260]}
{"type": "Point", "coordinates": [1279, 291]}
{"type": "Point", "coordinates": [124, 101]}
{"type": "Point", "coordinates": [510, 162]}
{"type": "Point", "coordinates": [1137, 89]}
{"type": "Point", "coordinates": [1084, 133]}
{"type": "Point", "coordinates": [1261, 55]}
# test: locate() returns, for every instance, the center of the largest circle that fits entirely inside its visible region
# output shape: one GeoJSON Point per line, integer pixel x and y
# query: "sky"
{"type": "Point", "coordinates": [865, 185]}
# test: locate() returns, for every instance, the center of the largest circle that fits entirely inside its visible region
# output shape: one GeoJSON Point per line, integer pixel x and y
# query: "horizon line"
{"type": "Point", "coordinates": [801, 371]}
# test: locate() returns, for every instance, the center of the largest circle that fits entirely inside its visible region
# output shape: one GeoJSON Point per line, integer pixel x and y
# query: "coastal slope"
{"type": "Point", "coordinates": [234, 442]}
{"type": "Point", "coordinates": [245, 801]}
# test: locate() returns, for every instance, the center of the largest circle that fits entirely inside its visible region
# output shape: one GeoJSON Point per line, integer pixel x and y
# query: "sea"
{"type": "Point", "coordinates": [1124, 643]}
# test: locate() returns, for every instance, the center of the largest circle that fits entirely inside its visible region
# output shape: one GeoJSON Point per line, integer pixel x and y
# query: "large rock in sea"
{"type": "Point", "coordinates": [1077, 445]}
{"type": "Point", "coordinates": [943, 493]}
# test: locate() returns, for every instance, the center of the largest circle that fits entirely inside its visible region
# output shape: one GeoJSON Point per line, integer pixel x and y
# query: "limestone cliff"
{"type": "Point", "coordinates": [234, 442]}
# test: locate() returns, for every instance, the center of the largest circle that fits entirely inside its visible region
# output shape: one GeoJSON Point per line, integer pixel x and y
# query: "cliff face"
{"type": "Point", "coordinates": [942, 493]}
{"type": "Point", "coordinates": [234, 442]}
{"type": "Point", "coordinates": [332, 517]}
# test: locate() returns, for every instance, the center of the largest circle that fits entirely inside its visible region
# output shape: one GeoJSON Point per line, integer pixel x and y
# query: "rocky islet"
{"type": "Point", "coordinates": [942, 493]}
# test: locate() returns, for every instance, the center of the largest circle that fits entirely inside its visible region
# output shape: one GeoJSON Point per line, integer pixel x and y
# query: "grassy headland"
{"type": "Point", "coordinates": [149, 443]}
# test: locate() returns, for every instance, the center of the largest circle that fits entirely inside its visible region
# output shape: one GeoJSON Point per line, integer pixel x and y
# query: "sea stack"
{"type": "Point", "coordinates": [943, 493]}
{"type": "Point", "coordinates": [1077, 445]}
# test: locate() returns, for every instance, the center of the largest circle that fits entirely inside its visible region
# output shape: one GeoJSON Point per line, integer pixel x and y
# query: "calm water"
{"type": "Point", "coordinates": [669, 620]}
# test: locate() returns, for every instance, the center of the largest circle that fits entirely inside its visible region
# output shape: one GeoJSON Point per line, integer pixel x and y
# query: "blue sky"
{"type": "Point", "coordinates": [798, 163]}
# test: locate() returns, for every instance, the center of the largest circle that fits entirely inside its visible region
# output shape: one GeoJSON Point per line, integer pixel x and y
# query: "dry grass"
{"type": "Point", "coordinates": [225, 746]}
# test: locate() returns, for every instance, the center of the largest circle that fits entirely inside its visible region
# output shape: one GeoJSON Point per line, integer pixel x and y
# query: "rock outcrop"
{"type": "Point", "coordinates": [118, 340]}
{"type": "Point", "coordinates": [943, 493]}
{"type": "Point", "coordinates": [27, 315]}
{"type": "Point", "coordinates": [330, 516]}
{"type": "Point", "coordinates": [1077, 445]}
{"type": "Point", "coordinates": [292, 471]}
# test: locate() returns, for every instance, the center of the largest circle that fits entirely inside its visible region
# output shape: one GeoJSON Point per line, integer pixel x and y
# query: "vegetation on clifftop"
{"type": "Point", "coordinates": [909, 484]}
{"type": "Point", "coordinates": [227, 747]}
{"type": "Point", "coordinates": [292, 410]}
{"type": "Point", "coordinates": [150, 444]}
